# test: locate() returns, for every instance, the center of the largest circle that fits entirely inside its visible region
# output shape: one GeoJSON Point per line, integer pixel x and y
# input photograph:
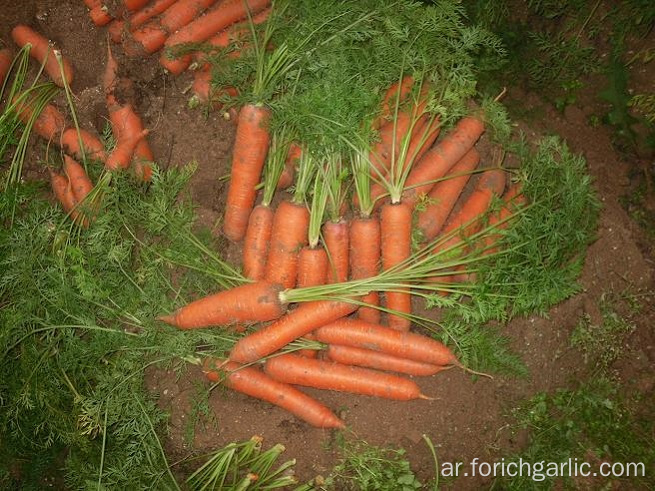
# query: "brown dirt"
{"type": "Point", "coordinates": [469, 418]}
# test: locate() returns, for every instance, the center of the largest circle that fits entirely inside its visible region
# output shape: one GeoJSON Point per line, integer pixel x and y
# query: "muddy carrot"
{"type": "Point", "coordinates": [93, 147]}
{"type": "Point", "coordinates": [336, 237]}
{"type": "Point", "coordinates": [256, 242]}
{"type": "Point", "coordinates": [80, 183]}
{"type": "Point", "coordinates": [49, 124]}
{"type": "Point", "coordinates": [121, 156]}
{"type": "Point", "coordinates": [42, 52]}
{"type": "Point", "coordinates": [98, 12]}
{"type": "Point", "coordinates": [286, 179]}
{"type": "Point", "coordinates": [6, 60]}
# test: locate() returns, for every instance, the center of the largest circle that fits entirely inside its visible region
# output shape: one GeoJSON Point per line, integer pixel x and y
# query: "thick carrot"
{"type": "Point", "coordinates": [349, 355]}
{"type": "Point", "coordinates": [80, 183]}
{"type": "Point", "coordinates": [226, 13]}
{"type": "Point", "coordinates": [121, 156]}
{"type": "Point", "coordinates": [249, 303]}
{"type": "Point", "coordinates": [98, 12]}
{"type": "Point", "coordinates": [6, 59]}
{"type": "Point", "coordinates": [151, 36]}
{"type": "Point", "coordinates": [329, 375]}
{"type": "Point", "coordinates": [248, 157]}
{"type": "Point", "coordinates": [365, 260]}
{"type": "Point", "coordinates": [440, 159]}
{"type": "Point", "coordinates": [312, 267]}
{"type": "Point", "coordinates": [289, 235]}
{"type": "Point", "coordinates": [93, 147]}
{"type": "Point", "coordinates": [396, 230]}
{"type": "Point", "coordinates": [256, 241]}
{"type": "Point", "coordinates": [444, 195]}
{"type": "Point", "coordinates": [125, 122]}
{"type": "Point", "coordinates": [408, 345]}
{"type": "Point", "coordinates": [304, 319]}
{"type": "Point", "coordinates": [286, 178]}
{"type": "Point", "coordinates": [255, 383]}
{"type": "Point", "coordinates": [42, 52]}
{"type": "Point", "coordinates": [49, 124]}
{"type": "Point", "coordinates": [336, 238]}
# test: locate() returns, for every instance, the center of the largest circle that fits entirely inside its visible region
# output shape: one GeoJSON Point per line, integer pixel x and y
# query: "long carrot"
{"type": "Point", "coordinates": [44, 54]}
{"type": "Point", "coordinates": [321, 374]}
{"type": "Point", "coordinates": [349, 355]}
{"type": "Point", "coordinates": [336, 238]}
{"type": "Point", "coordinates": [365, 260]}
{"type": "Point", "coordinates": [249, 303]}
{"type": "Point", "coordinates": [6, 59]}
{"type": "Point", "coordinates": [248, 157]}
{"type": "Point", "coordinates": [396, 229]}
{"type": "Point", "coordinates": [151, 36]}
{"type": "Point", "coordinates": [408, 345]}
{"type": "Point", "coordinates": [444, 195]}
{"type": "Point", "coordinates": [304, 319]}
{"type": "Point", "coordinates": [256, 242]}
{"type": "Point", "coordinates": [80, 183]}
{"type": "Point", "coordinates": [253, 382]}
{"type": "Point", "coordinates": [93, 147]}
{"type": "Point", "coordinates": [217, 19]}
{"type": "Point", "coordinates": [440, 159]}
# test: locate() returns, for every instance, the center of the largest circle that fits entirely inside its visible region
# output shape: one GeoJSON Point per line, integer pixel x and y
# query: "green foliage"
{"type": "Point", "coordinates": [592, 424]}
{"type": "Point", "coordinates": [645, 104]}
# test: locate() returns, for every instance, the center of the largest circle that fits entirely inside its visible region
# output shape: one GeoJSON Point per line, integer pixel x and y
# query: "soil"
{"type": "Point", "coordinates": [469, 417]}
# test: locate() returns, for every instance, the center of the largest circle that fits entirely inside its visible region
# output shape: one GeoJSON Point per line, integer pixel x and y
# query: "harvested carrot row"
{"type": "Point", "coordinates": [80, 183]}
{"type": "Point", "coordinates": [253, 382]}
{"type": "Point", "coordinates": [321, 374]}
{"type": "Point", "coordinates": [336, 238]}
{"type": "Point", "coordinates": [98, 12]}
{"type": "Point", "coordinates": [256, 242]}
{"type": "Point", "coordinates": [365, 259]}
{"type": "Point", "coordinates": [349, 355]}
{"type": "Point", "coordinates": [42, 52]}
{"type": "Point", "coordinates": [408, 345]}
{"type": "Point", "coordinates": [93, 147]}
{"type": "Point", "coordinates": [444, 195]}
{"type": "Point", "coordinates": [249, 303]}
{"type": "Point", "coordinates": [440, 159]}
{"type": "Point", "coordinates": [217, 19]}
{"type": "Point", "coordinates": [6, 59]}
{"type": "Point", "coordinates": [138, 18]}
{"type": "Point", "coordinates": [304, 319]}
{"type": "Point", "coordinates": [396, 230]}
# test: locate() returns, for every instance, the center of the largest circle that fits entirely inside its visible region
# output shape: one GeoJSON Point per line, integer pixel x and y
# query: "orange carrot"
{"type": "Point", "coordinates": [396, 229]}
{"type": "Point", "coordinates": [204, 93]}
{"type": "Point", "coordinates": [248, 157]}
{"type": "Point", "coordinates": [118, 28]}
{"type": "Point", "coordinates": [217, 19]}
{"type": "Point", "coordinates": [296, 323]}
{"type": "Point", "coordinates": [80, 183]}
{"type": "Point", "coordinates": [440, 159]}
{"type": "Point", "coordinates": [408, 345]}
{"type": "Point", "coordinates": [134, 4]}
{"type": "Point", "coordinates": [256, 241]}
{"type": "Point", "coordinates": [43, 53]}
{"type": "Point", "coordinates": [98, 12]}
{"type": "Point", "coordinates": [444, 195]}
{"type": "Point", "coordinates": [393, 93]}
{"type": "Point", "coordinates": [125, 123]}
{"type": "Point", "coordinates": [335, 235]}
{"type": "Point", "coordinates": [151, 36]}
{"type": "Point", "coordinates": [6, 60]}
{"type": "Point", "coordinates": [289, 235]}
{"type": "Point", "coordinates": [365, 260]}
{"type": "Point", "coordinates": [121, 156]}
{"type": "Point", "coordinates": [321, 374]}
{"type": "Point", "coordinates": [50, 122]}
{"type": "Point", "coordinates": [93, 147]}
{"type": "Point", "coordinates": [286, 178]}
{"type": "Point", "coordinates": [63, 192]}
{"type": "Point", "coordinates": [312, 267]}
{"type": "Point", "coordinates": [249, 303]}
{"type": "Point", "coordinates": [253, 382]}
{"type": "Point", "coordinates": [349, 355]}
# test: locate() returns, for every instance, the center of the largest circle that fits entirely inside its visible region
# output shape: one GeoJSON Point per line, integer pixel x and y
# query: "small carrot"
{"type": "Point", "coordinates": [255, 383]}
{"type": "Point", "coordinates": [98, 12]}
{"type": "Point", "coordinates": [256, 242]}
{"type": "Point", "coordinates": [296, 323]}
{"type": "Point", "coordinates": [80, 183]}
{"type": "Point", "coordinates": [6, 59]}
{"type": "Point", "coordinates": [336, 238]}
{"type": "Point", "coordinates": [49, 124]}
{"type": "Point", "coordinates": [44, 54]}
{"type": "Point", "coordinates": [248, 157]}
{"type": "Point", "coordinates": [321, 374]}
{"type": "Point", "coordinates": [93, 147]}
{"type": "Point", "coordinates": [249, 303]}
{"type": "Point", "coordinates": [408, 345]}
{"type": "Point", "coordinates": [365, 260]}
{"type": "Point", "coordinates": [349, 355]}
{"type": "Point", "coordinates": [121, 156]}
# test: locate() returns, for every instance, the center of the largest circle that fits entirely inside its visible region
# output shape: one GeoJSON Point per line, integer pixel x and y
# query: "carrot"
{"type": "Point", "coordinates": [249, 303]}
{"type": "Point", "coordinates": [365, 259]}
{"type": "Point", "coordinates": [64, 194]}
{"type": "Point", "coordinates": [286, 179]}
{"type": "Point", "coordinates": [513, 199]}
{"type": "Point", "coordinates": [336, 237]}
{"type": "Point", "coordinates": [349, 355]}
{"type": "Point", "coordinates": [121, 156]}
{"type": "Point", "coordinates": [440, 159]}
{"type": "Point", "coordinates": [203, 92]}
{"type": "Point", "coordinates": [93, 147]}
{"type": "Point", "coordinates": [444, 195]}
{"type": "Point", "coordinates": [255, 383]}
{"type": "Point", "coordinates": [98, 12]}
{"type": "Point", "coordinates": [80, 183]}
{"type": "Point", "coordinates": [44, 54]}
{"type": "Point", "coordinates": [395, 91]}
{"type": "Point", "coordinates": [256, 241]}
{"type": "Point", "coordinates": [408, 345]}
{"type": "Point", "coordinates": [248, 157]}
{"type": "Point", "coordinates": [139, 17]}
{"type": "Point", "coordinates": [49, 124]}
{"type": "Point", "coordinates": [312, 267]}
{"type": "Point", "coordinates": [396, 229]}
{"type": "Point", "coordinates": [296, 323]}
{"type": "Point", "coordinates": [321, 374]}
{"type": "Point", "coordinates": [289, 235]}
{"type": "Point", "coordinates": [6, 59]}
{"type": "Point", "coordinates": [217, 19]}
{"type": "Point", "coordinates": [125, 122]}
{"type": "Point", "coordinates": [151, 36]}
{"type": "Point", "coordinates": [134, 4]}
